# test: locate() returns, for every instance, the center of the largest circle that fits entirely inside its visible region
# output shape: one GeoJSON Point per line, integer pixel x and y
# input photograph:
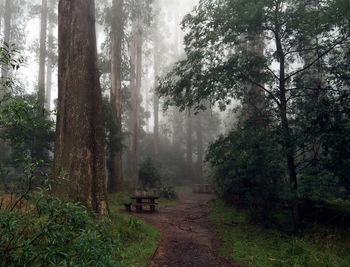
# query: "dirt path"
{"type": "Point", "coordinates": [187, 239]}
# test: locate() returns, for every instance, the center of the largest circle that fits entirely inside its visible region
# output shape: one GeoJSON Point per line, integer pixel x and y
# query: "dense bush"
{"type": "Point", "coordinates": [148, 174]}
{"type": "Point", "coordinates": [167, 192]}
{"type": "Point", "coordinates": [247, 167]}
{"type": "Point", "coordinates": [38, 229]}
{"type": "Point", "coordinates": [27, 128]}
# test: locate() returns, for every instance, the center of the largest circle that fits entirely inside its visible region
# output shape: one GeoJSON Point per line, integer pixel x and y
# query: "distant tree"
{"type": "Point", "coordinates": [79, 161]}
{"type": "Point", "coordinates": [51, 51]}
{"type": "Point", "coordinates": [43, 52]}
{"type": "Point", "coordinates": [8, 10]}
{"type": "Point", "coordinates": [115, 181]}
{"type": "Point", "coordinates": [140, 17]}
{"type": "Point", "coordinates": [156, 62]}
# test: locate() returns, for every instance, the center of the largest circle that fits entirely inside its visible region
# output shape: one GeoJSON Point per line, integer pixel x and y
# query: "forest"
{"type": "Point", "coordinates": [175, 133]}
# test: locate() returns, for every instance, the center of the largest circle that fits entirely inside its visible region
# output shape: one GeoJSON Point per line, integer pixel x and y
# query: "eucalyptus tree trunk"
{"type": "Point", "coordinates": [137, 122]}
{"type": "Point", "coordinates": [115, 181]}
{"type": "Point", "coordinates": [49, 67]}
{"type": "Point", "coordinates": [7, 37]}
{"type": "Point", "coordinates": [130, 155]}
{"type": "Point", "coordinates": [42, 57]}
{"type": "Point", "coordinates": [79, 161]}
{"type": "Point", "coordinates": [155, 97]}
{"type": "Point", "coordinates": [255, 98]}
{"type": "Point", "coordinates": [199, 133]}
{"type": "Point", "coordinates": [1, 12]}
{"type": "Point", "coordinates": [189, 152]}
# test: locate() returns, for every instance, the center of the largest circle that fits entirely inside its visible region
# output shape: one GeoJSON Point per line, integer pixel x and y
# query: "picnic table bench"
{"type": "Point", "coordinates": [141, 201]}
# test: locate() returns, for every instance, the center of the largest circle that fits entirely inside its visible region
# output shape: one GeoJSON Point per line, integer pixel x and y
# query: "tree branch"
{"type": "Point", "coordinates": [263, 88]}
{"type": "Point", "coordinates": [318, 58]}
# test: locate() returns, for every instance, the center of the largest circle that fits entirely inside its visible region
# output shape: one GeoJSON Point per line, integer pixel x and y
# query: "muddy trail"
{"type": "Point", "coordinates": [186, 235]}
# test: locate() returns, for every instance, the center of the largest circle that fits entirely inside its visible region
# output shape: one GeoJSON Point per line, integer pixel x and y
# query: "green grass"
{"type": "Point", "coordinates": [138, 240]}
{"type": "Point", "coordinates": [253, 245]}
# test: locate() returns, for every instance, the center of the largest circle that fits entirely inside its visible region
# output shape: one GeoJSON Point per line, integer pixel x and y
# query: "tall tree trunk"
{"type": "Point", "coordinates": [1, 12]}
{"type": "Point", "coordinates": [7, 37]}
{"type": "Point", "coordinates": [49, 57]}
{"type": "Point", "coordinates": [130, 156]}
{"type": "Point", "coordinates": [115, 181]}
{"type": "Point", "coordinates": [155, 97]}
{"type": "Point", "coordinates": [255, 98]}
{"type": "Point", "coordinates": [79, 162]}
{"type": "Point", "coordinates": [199, 134]}
{"type": "Point", "coordinates": [137, 123]}
{"type": "Point", "coordinates": [42, 57]}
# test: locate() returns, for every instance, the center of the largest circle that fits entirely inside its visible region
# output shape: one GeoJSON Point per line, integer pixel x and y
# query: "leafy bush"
{"type": "Point", "coordinates": [247, 167]}
{"type": "Point", "coordinates": [167, 192]}
{"type": "Point", "coordinates": [27, 128]}
{"type": "Point", "coordinates": [38, 229]}
{"type": "Point", "coordinates": [148, 174]}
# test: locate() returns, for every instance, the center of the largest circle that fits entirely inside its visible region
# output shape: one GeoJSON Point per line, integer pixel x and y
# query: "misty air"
{"type": "Point", "coordinates": [174, 133]}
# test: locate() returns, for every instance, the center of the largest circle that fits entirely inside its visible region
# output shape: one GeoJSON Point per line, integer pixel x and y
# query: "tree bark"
{"type": "Point", "coordinates": [7, 37]}
{"type": "Point", "coordinates": [130, 156]}
{"type": "Point", "coordinates": [42, 57]}
{"type": "Point", "coordinates": [155, 97]}
{"type": "Point", "coordinates": [49, 57]}
{"type": "Point", "coordinates": [137, 123]}
{"type": "Point", "coordinates": [189, 151]}
{"type": "Point", "coordinates": [199, 134]}
{"type": "Point", "coordinates": [289, 147]}
{"type": "Point", "coordinates": [115, 181]}
{"type": "Point", "coordinates": [79, 161]}
{"type": "Point", "coordinates": [1, 12]}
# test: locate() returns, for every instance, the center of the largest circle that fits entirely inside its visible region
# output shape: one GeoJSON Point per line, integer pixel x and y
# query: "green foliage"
{"type": "Point", "coordinates": [27, 128]}
{"type": "Point", "coordinates": [250, 244]}
{"type": "Point", "coordinates": [294, 55]}
{"type": "Point", "coordinates": [10, 56]}
{"type": "Point", "coordinates": [40, 229]}
{"type": "Point", "coordinates": [243, 163]}
{"type": "Point", "coordinates": [167, 192]}
{"type": "Point", "coordinates": [148, 174]}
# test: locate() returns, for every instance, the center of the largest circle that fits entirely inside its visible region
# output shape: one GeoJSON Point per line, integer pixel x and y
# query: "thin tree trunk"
{"type": "Point", "coordinates": [115, 181]}
{"type": "Point", "coordinates": [79, 162]}
{"type": "Point", "coordinates": [189, 151]}
{"type": "Point", "coordinates": [199, 134]}
{"type": "Point", "coordinates": [42, 57]}
{"type": "Point", "coordinates": [288, 142]}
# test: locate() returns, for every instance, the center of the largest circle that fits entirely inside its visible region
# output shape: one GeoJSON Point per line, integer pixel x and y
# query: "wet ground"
{"type": "Point", "coordinates": [186, 235]}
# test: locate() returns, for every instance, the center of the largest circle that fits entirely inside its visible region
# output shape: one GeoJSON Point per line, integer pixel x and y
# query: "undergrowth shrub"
{"type": "Point", "coordinates": [148, 174]}
{"type": "Point", "coordinates": [247, 167]}
{"type": "Point", "coordinates": [167, 192]}
{"type": "Point", "coordinates": [49, 231]}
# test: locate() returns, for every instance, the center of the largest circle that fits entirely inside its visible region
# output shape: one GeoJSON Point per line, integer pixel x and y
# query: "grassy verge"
{"type": "Point", "coordinates": [256, 246]}
{"type": "Point", "coordinates": [138, 241]}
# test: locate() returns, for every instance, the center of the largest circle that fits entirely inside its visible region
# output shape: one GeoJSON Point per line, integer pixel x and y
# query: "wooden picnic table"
{"type": "Point", "coordinates": [141, 201]}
